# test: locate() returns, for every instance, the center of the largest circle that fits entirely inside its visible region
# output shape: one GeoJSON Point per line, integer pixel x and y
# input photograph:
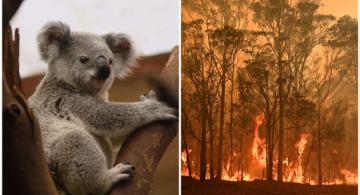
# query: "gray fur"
{"type": "Point", "coordinates": [75, 116]}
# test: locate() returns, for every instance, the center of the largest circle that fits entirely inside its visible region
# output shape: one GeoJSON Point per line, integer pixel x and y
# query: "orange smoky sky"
{"type": "Point", "coordinates": [339, 8]}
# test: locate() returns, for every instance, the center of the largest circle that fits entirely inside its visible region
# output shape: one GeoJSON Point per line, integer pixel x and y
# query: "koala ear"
{"type": "Point", "coordinates": [52, 37]}
{"type": "Point", "coordinates": [120, 45]}
{"type": "Point", "coordinates": [123, 50]}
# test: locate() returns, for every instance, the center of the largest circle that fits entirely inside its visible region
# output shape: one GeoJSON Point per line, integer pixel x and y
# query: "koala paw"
{"type": "Point", "coordinates": [121, 171]}
{"type": "Point", "coordinates": [157, 110]}
{"type": "Point", "coordinates": [150, 96]}
{"type": "Point", "coordinates": [160, 111]}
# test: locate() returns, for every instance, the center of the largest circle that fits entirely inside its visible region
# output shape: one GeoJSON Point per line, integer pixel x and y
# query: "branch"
{"type": "Point", "coordinates": [145, 147]}
{"type": "Point", "coordinates": [25, 168]}
{"type": "Point", "coordinates": [9, 9]}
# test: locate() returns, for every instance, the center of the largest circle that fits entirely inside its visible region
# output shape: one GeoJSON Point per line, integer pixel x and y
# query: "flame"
{"type": "Point", "coordinates": [300, 146]}
{"type": "Point", "coordinates": [184, 168]}
{"type": "Point", "coordinates": [293, 169]}
{"type": "Point", "coordinates": [258, 150]}
{"type": "Point", "coordinates": [236, 175]}
{"type": "Point", "coordinates": [350, 177]}
{"type": "Point", "coordinates": [226, 175]}
{"type": "Point", "coordinates": [258, 153]}
{"type": "Point", "coordinates": [295, 172]}
{"type": "Point", "coordinates": [183, 157]}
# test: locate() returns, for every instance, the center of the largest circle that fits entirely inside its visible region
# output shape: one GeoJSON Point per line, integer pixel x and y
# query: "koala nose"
{"type": "Point", "coordinates": [104, 69]}
{"type": "Point", "coordinates": [103, 73]}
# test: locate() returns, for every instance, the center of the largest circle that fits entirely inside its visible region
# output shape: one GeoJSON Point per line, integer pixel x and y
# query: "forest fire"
{"type": "Point", "coordinates": [293, 170]}
{"type": "Point", "coordinates": [184, 169]}
{"type": "Point", "coordinates": [258, 151]}
{"type": "Point", "coordinates": [350, 177]}
{"type": "Point", "coordinates": [274, 97]}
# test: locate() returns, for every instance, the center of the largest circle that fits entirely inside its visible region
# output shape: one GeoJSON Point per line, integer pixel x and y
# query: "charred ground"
{"type": "Point", "coordinates": [214, 187]}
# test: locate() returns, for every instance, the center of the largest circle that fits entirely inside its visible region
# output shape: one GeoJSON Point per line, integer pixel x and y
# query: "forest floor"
{"type": "Point", "coordinates": [195, 187]}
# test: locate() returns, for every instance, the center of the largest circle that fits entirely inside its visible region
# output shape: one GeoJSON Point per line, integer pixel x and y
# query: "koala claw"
{"type": "Point", "coordinates": [170, 117]}
{"type": "Point", "coordinates": [122, 172]}
{"type": "Point", "coordinates": [124, 167]}
{"type": "Point", "coordinates": [122, 177]}
{"type": "Point", "coordinates": [152, 95]}
{"type": "Point", "coordinates": [159, 111]}
{"type": "Point", "coordinates": [167, 115]}
{"type": "Point", "coordinates": [143, 98]}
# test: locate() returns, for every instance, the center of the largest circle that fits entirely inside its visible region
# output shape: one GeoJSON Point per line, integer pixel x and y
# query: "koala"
{"type": "Point", "coordinates": [75, 116]}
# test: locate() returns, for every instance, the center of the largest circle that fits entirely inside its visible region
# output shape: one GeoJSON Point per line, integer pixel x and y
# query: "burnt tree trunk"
{"type": "Point", "coordinates": [319, 145]}
{"type": "Point", "coordinates": [281, 121]}
{"type": "Point", "coordinates": [269, 148]}
{"type": "Point", "coordinates": [211, 129]}
{"type": "Point", "coordinates": [231, 123]}
{"type": "Point", "coordinates": [221, 129]}
{"type": "Point", "coordinates": [241, 154]}
{"type": "Point", "coordinates": [187, 153]}
{"type": "Point", "coordinates": [203, 141]}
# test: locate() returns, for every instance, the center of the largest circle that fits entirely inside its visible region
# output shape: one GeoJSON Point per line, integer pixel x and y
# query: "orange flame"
{"type": "Point", "coordinates": [293, 169]}
{"type": "Point", "coordinates": [258, 151]}
{"type": "Point", "coordinates": [350, 177]}
{"type": "Point", "coordinates": [295, 172]}
{"type": "Point", "coordinates": [184, 168]}
{"type": "Point", "coordinates": [236, 175]}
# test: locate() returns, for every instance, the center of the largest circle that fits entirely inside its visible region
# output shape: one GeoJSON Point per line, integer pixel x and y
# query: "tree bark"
{"type": "Point", "coordinates": [9, 9]}
{"type": "Point", "coordinates": [187, 153]}
{"type": "Point", "coordinates": [203, 141]}
{"type": "Point", "coordinates": [269, 146]}
{"type": "Point", "coordinates": [319, 145]}
{"type": "Point", "coordinates": [25, 168]}
{"type": "Point", "coordinates": [231, 110]}
{"type": "Point", "coordinates": [241, 154]}
{"type": "Point", "coordinates": [281, 124]}
{"type": "Point", "coordinates": [211, 129]}
{"type": "Point", "coordinates": [221, 129]}
{"type": "Point", "coordinates": [145, 147]}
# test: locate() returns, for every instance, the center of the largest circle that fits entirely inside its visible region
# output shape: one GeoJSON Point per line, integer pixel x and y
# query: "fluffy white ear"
{"type": "Point", "coordinates": [124, 54]}
{"type": "Point", "coordinates": [52, 37]}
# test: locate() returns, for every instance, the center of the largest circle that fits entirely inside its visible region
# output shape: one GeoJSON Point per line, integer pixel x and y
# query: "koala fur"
{"type": "Point", "coordinates": [75, 116]}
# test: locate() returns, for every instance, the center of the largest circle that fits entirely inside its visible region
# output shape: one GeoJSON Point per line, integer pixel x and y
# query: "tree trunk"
{"type": "Point", "coordinates": [231, 111]}
{"type": "Point", "coordinates": [281, 125]}
{"type": "Point", "coordinates": [241, 154]}
{"type": "Point", "coordinates": [25, 168]}
{"type": "Point", "coordinates": [211, 129]}
{"type": "Point", "coordinates": [145, 146]}
{"type": "Point", "coordinates": [269, 159]}
{"type": "Point", "coordinates": [203, 141]}
{"type": "Point", "coordinates": [187, 153]}
{"type": "Point", "coordinates": [221, 129]}
{"type": "Point", "coordinates": [319, 145]}
{"type": "Point", "coordinates": [307, 159]}
{"type": "Point", "coordinates": [144, 149]}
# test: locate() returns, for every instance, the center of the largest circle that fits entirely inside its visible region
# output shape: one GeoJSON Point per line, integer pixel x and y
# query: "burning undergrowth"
{"type": "Point", "coordinates": [293, 167]}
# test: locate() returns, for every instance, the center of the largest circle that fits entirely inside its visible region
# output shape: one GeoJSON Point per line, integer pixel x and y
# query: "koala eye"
{"type": "Point", "coordinates": [83, 59]}
{"type": "Point", "coordinates": [110, 61]}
